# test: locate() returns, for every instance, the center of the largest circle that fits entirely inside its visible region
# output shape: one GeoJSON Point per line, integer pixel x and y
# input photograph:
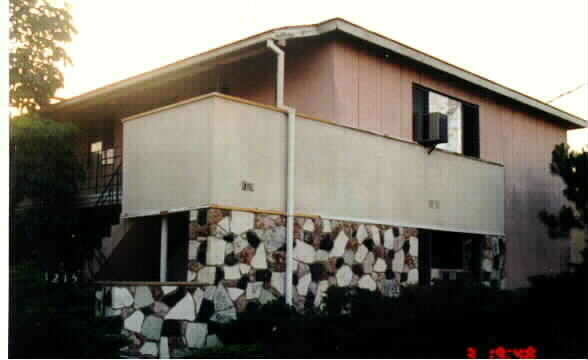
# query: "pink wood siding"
{"type": "Point", "coordinates": [346, 87]}
{"type": "Point", "coordinates": [309, 77]}
{"type": "Point", "coordinates": [375, 93]}
{"type": "Point", "coordinates": [370, 92]}
{"type": "Point", "coordinates": [407, 77]}
{"type": "Point", "coordinates": [252, 79]}
{"type": "Point", "coordinates": [391, 105]}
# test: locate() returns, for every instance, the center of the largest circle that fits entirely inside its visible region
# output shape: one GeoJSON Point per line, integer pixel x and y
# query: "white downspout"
{"type": "Point", "coordinates": [163, 251]}
{"type": "Point", "coordinates": [289, 171]}
{"type": "Point", "coordinates": [279, 73]}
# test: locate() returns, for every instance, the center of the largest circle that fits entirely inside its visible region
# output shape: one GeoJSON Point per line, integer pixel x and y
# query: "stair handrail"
{"type": "Point", "coordinates": [114, 181]}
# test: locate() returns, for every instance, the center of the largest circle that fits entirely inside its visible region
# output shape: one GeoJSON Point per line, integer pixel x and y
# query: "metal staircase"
{"type": "Point", "coordinates": [105, 189]}
{"type": "Point", "coordinates": [107, 246]}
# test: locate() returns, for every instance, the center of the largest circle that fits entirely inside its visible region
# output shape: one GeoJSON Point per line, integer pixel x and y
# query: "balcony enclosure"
{"type": "Point", "coordinates": [200, 152]}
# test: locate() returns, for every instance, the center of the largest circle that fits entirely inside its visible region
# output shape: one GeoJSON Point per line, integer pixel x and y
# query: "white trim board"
{"type": "Point", "coordinates": [401, 224]}
{"type": "Point", "coordinates": [144, 213]}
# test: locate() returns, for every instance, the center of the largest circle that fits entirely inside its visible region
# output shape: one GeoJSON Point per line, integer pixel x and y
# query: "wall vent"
{"type": "Point", "coordinates": [246, 186]}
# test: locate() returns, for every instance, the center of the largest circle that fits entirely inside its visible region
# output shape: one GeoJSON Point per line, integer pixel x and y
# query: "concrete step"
{"type": "Point", "coordinates": [109, 243]}
{"type": "Point", "coordinates": [107, 246]}
{"type": "Point", "coordinates": [117, 233]}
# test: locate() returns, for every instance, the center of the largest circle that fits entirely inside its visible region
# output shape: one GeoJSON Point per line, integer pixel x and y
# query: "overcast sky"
{"type": "Point", "coordinates": [537, 47]}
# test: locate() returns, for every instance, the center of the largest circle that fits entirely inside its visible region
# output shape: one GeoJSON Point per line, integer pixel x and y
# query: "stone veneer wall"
{"type": "Point", "coordinates": [237, 258]}
{"type": "Point", "coordinates": [247, 253]}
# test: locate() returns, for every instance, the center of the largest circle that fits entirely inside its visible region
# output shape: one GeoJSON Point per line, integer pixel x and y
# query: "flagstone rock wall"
{"type": "Point", "coordinates": [237, 258]}
{"type": "Point", "coordinates": [247, 253]}
{"type": "Point", "coordinates": [166, 321]}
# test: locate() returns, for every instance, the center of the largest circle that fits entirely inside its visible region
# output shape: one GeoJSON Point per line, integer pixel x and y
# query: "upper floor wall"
{"type": "Point", "coordinates": [373, 90]}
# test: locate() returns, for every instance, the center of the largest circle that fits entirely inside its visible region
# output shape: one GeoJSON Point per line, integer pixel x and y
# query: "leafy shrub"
{"type": "Point", "coordinates": [560, 304]}
{"type": "Point", "coordinates": [228, 352]}
{"type": "Point", "coordinates": [56, 321]}
{"type": "Point", "coordinates": [425, 322]}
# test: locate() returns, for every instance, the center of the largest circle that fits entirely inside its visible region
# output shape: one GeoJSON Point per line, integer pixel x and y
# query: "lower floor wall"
{"type": "Point", "coordinates": [237, 257]}
{"type": "Point", "coordinates": [247, 251]}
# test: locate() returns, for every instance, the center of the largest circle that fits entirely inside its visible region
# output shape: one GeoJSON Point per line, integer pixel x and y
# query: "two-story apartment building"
{"type": "Point", "coordinates": [294, 160]}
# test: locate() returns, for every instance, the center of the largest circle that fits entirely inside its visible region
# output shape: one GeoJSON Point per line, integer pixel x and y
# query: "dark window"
{"type": "Point", "coordinates": [447, 250]}
{"type": "Point", "coordinates": [462, 121]}
{"type": "Point", "coordinates": [455, 256]}
{"type": "Point", "coordinates": [420, 108]}
{"type": "Point", "coordinates": [424, 257]}
{"type": "Point", "coordinates": [471, 130]}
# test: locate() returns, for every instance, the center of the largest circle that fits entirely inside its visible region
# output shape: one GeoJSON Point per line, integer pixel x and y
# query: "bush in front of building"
{"type": "Point", "coordinates": [445, 321]}
{"type": "Point", "coordinates": [56, 320]}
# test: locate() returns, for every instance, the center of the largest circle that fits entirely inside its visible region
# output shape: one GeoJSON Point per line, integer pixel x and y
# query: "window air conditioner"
{"type": "Point", "coordinates": [433, 129]}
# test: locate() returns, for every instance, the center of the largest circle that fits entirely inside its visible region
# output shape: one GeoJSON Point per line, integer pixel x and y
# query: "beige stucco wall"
{"type": "Point", "coordinates": [213, 145]}
{"type": "Point", "coordinates": [343, 172]}
{"type": "Point", "coordinates": [248, 144]}
{"type": "Point", "coordinates": [166, 159]}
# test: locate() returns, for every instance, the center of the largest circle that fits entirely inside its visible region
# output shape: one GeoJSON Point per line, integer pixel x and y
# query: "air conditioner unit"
{"type": "Point", "coordinates": [432, 129]}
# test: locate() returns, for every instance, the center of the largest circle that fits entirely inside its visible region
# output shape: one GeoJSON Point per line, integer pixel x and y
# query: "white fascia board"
{"type": "Point", "coordinates": [305, 31]}
{"type": "Point", "coordinates": [403, 224]}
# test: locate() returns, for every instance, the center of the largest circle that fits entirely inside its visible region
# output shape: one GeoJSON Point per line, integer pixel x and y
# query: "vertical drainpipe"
{"type": "Point", "coordinates": [291, 128]}
{"type": "Point", "coordinates": [163, 252]}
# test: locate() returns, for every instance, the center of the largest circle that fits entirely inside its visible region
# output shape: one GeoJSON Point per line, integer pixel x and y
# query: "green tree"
{"type": "Point", "coordinates": [38, 32]}
{"type": "Point", "coordinates": [45, 178]}
{"type": "Point", "coordinates": [46, 320]}
{"type": "Point", "coordinates": [567, 320]}
{"type": "Point", "coordinates": [44, 172]}
{"type": "Point", "coordinates": [45, 167]}
{"type": "Point", "coordinates": [572, 168]}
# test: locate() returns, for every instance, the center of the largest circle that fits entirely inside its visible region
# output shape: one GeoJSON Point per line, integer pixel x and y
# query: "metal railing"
{"type": "Point", "coordinates": [110, 195]}
{"type": "Point", "coordinates": [104, 177]}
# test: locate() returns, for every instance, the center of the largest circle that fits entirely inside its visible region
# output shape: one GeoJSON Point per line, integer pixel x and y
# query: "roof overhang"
{"type": "Point", "coordinates": [256, 44]}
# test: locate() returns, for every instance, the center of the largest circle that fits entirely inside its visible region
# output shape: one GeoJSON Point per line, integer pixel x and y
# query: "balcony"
{"type": "Point", "coordinates": [199, 152]}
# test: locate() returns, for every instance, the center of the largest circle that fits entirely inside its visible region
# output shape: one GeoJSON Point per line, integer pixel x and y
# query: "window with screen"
{"type": "Point", "coordinates": [463, 130]}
